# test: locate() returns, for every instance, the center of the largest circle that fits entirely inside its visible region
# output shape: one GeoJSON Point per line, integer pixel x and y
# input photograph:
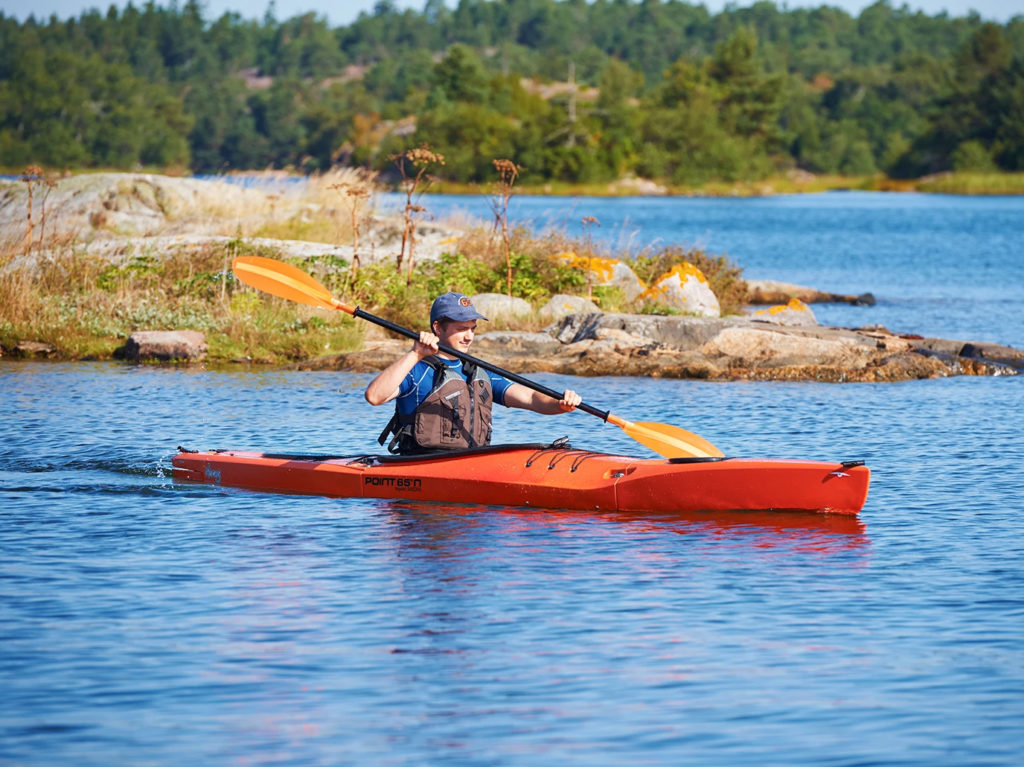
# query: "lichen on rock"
{"type": "Point", "coordinates": [685, 289]}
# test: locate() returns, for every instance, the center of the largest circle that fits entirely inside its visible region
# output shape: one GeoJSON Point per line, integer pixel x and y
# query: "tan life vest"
{"type": "Point", "coordinates": [455, 415]}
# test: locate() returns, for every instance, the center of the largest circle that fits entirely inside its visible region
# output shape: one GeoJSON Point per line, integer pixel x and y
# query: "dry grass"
{"type": "Point", "coordinates": [86, 306]}
{"type": "Point", "coordinates": [318, 210]}
{"type": "Point", "coordinates": [52, 290]}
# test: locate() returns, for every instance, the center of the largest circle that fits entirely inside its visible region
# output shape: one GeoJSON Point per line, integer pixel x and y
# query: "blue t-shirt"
{"type": "Point", "coordinates": [417, 384]}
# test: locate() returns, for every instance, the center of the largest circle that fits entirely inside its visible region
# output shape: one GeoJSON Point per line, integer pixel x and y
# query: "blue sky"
{"type": "Point", "coordinates": [345, 11]}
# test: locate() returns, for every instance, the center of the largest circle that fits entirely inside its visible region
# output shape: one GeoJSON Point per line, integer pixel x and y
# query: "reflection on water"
{"type": "Point", "coordinates": [760, 529]}
{"type": "Point", "coordinates": [195, 623]}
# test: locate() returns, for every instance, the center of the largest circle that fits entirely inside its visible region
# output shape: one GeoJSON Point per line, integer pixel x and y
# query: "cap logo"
{"type": "Point", "coordinates": [465, 301]}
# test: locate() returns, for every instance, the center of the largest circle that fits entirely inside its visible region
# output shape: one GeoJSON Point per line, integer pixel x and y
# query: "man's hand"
{"type": "Point", "coordinates": [426, 345]}
{"type": "Point", "coordinates": [570, 400]}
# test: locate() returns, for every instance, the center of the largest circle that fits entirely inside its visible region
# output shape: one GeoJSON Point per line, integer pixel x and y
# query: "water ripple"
{"type": "Point", "coordinates": [158, 622]}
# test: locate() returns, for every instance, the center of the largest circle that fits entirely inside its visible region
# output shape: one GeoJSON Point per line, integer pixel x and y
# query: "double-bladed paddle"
{"type": "Point", "coordinates": [286, 281]}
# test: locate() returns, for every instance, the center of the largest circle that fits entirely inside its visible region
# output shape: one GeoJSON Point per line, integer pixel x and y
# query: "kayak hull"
{"type": "Point", "coordinates": [550, 477]}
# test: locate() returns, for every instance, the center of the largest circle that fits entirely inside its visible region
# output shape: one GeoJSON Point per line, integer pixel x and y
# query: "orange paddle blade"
{"type": "Point", "coordinates": [284, 281]}
{"type": "Point", "coordinates": [666, 440]}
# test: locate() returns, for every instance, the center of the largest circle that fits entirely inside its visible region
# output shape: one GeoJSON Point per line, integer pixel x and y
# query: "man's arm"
{"type": "Point", "coordinates": [384, 387]}
{"type": "Point", "coordinates": [521, 396]}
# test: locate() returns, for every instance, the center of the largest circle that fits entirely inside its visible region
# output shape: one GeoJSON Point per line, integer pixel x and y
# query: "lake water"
{"type": "Point", "coordinates": [144, 621]}
{"type": "Point", "coordinates": [939, 265]}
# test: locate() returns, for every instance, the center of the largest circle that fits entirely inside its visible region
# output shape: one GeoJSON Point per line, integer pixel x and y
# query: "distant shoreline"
{"type": "Point", "coordinates": [987, 184]}
{"type": "Point", "coordinates": [951, 183]}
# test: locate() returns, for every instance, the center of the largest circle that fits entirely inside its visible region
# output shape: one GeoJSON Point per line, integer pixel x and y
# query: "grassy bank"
{"type": "Point", "coordinates": [86, 306]}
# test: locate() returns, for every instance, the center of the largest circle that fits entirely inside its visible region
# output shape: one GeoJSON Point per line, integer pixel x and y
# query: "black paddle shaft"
{"type": "Point", "coordinates": [602, 414]}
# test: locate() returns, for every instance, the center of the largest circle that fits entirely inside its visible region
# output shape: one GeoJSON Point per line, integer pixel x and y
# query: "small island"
{"type": "Point", "coordinates": [137, 267]}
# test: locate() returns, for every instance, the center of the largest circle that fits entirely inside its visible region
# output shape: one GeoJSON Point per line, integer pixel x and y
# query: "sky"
{"type": "Point", "coordinates": [339, 12]}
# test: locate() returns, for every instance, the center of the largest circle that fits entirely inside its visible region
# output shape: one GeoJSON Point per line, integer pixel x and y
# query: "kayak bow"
{"type": "Point", "coordinates": [545, 476]}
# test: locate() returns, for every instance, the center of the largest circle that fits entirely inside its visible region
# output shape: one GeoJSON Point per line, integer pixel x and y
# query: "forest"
{"type": "Point", "coordinates": [569, 90]}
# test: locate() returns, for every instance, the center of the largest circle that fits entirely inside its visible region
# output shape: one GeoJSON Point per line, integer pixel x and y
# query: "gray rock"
{"type": "Point", "coordinates": [606, 271]}
{"type": "Point", "coordinates": [717, 349]}
{"type": "Point", "coordinates": [498, 306]}
{"type": "Point", "coordinates": [1003, 355]}
{"type": "Point", "coordinates": [752, 347]}
{"type": "Point", "coordinates": [562, 305]}
{"type": "Point", "coordinates": [684, 289]}
{"type": "Point", "coordinates": [164, 345]}
{"type": "Point", "coordinates": [34, 349]}
{"type": "Point", "coordinates": [575, 327]}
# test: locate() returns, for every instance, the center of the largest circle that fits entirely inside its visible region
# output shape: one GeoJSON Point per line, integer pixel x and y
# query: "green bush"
{"type": "Point", "coordinates": [972, 156]}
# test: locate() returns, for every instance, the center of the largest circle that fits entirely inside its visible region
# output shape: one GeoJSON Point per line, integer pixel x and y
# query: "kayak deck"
{"type": "Point", "coordinates": [545, 476]}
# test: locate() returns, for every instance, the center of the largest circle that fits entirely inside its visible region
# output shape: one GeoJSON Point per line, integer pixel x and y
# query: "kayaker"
{"type": "Point", "coordinates": [442, 403]}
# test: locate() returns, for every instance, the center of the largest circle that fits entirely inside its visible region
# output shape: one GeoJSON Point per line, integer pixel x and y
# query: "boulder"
{"type": "Point", "coordinates": [606, 271]}
{"type": "Point", "coordinates": [685, 289]}
{"type": "Point", "coordinates": [498, 306]}
{"type": "Point", "coordinates": [753, 347]}
{"type": "Point", "coordinates": [794, 313]}
{"type": "Point", "coordinates": [562, 305]}
{"type": "Point", "coordinates": [163, 345]}
{"type": "Point", "coordinates": [34, 349]}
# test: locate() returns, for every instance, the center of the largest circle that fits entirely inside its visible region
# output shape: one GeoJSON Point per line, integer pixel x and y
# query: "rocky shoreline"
{"type": "Point", "coordinates": [598, 344]}
{"type": "Point", "coordinates": [726, 349]}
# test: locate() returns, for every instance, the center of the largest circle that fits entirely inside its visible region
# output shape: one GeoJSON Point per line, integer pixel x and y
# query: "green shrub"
{"type": "Point", "coordinates": [972, 156]}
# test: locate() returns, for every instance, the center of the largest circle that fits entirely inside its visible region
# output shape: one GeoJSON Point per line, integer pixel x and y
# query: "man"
{"type": "Point", "coordinates": [443, 403]}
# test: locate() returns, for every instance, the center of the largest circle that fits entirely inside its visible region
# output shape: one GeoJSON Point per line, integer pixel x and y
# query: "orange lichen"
{"type": "Point", "coordinates": [683, 271]}
{"type": "Point", "coordinates": [603, 268]}
{"type": "Point", "coordinates": [794, 303]}
{"type": "Point", "coordinates": [686, 269]}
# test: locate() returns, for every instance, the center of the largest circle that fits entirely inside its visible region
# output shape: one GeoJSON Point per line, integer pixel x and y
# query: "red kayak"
{"type": "Point", "coordinates": [545, 476]}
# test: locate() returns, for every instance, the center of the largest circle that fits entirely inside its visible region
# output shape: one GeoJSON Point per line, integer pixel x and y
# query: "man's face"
{"type": "Point", "coordinates": [458, 335]}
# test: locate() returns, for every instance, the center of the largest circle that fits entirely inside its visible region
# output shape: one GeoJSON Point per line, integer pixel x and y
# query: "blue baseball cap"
{"type": "Point", "coordinates": [453, 306]}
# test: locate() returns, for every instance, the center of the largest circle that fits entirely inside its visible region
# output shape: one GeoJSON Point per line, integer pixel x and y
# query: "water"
{"type": "Point", "coordinates": [945, 266]}
{"type": "Point", "coordinates": [144, 621]}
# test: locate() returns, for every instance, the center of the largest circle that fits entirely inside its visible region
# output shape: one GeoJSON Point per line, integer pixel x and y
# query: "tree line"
{"type": "Point", "coordinates": [570, 90]}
